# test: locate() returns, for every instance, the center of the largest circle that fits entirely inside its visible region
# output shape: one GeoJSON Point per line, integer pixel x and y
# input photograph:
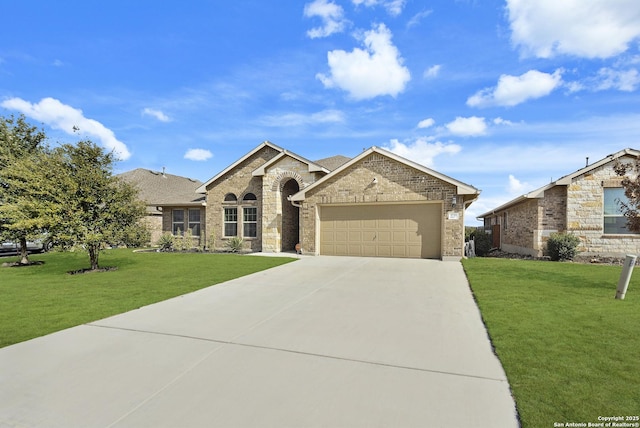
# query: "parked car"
{"type": "Point", "coordinates": [37, 246]}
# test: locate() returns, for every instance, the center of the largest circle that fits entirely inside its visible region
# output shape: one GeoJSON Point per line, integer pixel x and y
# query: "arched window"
{"type": "Point", "coordinates": [249, 197]}
{"type": "Point", "coordinates": [230, 197]}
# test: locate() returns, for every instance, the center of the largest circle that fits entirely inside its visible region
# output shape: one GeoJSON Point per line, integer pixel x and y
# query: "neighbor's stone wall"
{"type": "Point", "coordinates": [275, 177]}
{"type": "Point", "coordinates": [520, 226]}
{"type": "Point", "coordinates": [238, 181]}
{"type": "Point", "coordinates": [585, 217]}
{"type": "Point", "coordinates": [397, 182]}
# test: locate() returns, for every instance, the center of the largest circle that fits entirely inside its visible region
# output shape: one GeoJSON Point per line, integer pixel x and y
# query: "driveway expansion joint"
{"type": "Point", "coordinates": [291, 351]}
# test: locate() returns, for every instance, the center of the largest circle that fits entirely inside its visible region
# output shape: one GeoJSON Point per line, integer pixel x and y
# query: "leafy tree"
{"type": "Point", "coordinates": [95, 208]}
{"type": "Point", "coordinates": [631, 184]}
{"type": "Point", "coordinates": [22, 213]}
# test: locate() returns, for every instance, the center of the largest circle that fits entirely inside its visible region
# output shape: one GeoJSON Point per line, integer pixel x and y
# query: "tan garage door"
{"type": "Point", "coordinates": [412, 230]}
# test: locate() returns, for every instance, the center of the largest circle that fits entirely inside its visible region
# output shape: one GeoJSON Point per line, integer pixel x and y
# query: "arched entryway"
{"type": "Point", "coordinates": [290, 217]}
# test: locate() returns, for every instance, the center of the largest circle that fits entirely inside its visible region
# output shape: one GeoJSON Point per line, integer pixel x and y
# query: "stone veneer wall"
{"type": "Point", "coordinates": [585, 215]}
{"type": "Point", "coordinates": [238, 181]}
{"type": "Point", "coordinates": [397, 182]}
{"type": "Point", "coordinates": [275, 177]}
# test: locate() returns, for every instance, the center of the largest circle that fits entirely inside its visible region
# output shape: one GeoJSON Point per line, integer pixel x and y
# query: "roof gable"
{"type": "Point", "coordinates": [462, 188]}
{"type": "Point", "coordinates": [203, 187]}
{"type": "Point", "coordinates": [312, 166]}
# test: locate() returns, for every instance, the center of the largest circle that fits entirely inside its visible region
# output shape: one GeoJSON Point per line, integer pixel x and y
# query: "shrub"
{"type": "Point", "coordinates": [136, 236]}
{"type": "Point", "coordinates": [562, 246]}
{"type": "Point", "coordinates": [482, 241]}
{"type": "Point", "coordinates": [166, 242]}
{"type": "Point", "coordinates": [234, 244]}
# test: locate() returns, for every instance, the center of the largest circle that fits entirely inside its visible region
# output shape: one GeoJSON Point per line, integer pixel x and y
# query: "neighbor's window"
{"type": "Point", "coordinates": [250, 222]}
{"type": "Point", "coordinates": [231, 221]}
{"type": "Point", "coordinates": [194, 221]}
{"type": "Point", "coordinates": [177, 222]}
{"type": "Point", "coordinates": [614, 221]}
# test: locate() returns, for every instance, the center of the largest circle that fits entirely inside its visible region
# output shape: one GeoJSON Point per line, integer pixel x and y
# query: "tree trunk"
{"type": "Point", "coordinates": [93, 256]}
{"type": "Point", "coordinates": [24, 255]}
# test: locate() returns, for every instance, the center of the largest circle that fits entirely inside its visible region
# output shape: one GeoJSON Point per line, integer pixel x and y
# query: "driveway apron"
{"type": "Point", "coordinates": [320, 342]}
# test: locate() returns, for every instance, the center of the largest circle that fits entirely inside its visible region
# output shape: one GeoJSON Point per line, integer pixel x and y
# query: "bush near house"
{"type": "Point", "coordinates": [562, 246]}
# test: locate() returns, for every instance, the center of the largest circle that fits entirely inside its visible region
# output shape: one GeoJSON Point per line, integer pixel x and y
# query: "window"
{"type": "Point", "coordinates": [230, 197]}
{"type": "Point", "coordinates": [250, 222]}
{"type": "Point", "coordinates": [231, 221]}
{"type": "Point", "coordinates": [614, 221]}
{"type": "Point", "coordinates": [194, 221]}
{"type": "Point", "coordinates": [177, 222]}
{"type": "Point", "coordinates": [249, 197]}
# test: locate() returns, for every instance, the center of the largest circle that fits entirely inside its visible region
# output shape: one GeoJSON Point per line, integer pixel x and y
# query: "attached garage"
{"type": "Point", "coordinates": [382, 230]}
{"type": "Point", "coordinates": [379, 204]}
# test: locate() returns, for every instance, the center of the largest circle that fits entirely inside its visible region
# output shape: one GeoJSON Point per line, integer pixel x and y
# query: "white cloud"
{"type": "Point", "coordinates": [369, 73]}
{"type": "Point", "coordinates": [298, 119]}
{"type": "Point", "coordinates": [432, 71]}
{"type": "Point", "coordinates": [415, 19]}
{"type": "Point", "coordinates": [157, 114]}
{"type": "Point", "coordinates": [627, 80]}
{"type": "Point", "coordinates": [467, 126]}
{"type": "Point", "coordinates": [514, 90]}
{"type": "Point", "coordinates": [589, 29]}
{"type": "Point", "coordinates": [421, 150]}
{"type": "Point", "coordinates": [426, 123]}
{"type": "Point", "coordinates": [331, 14]}
{"type": "Point", "coordinates": [515, 186]}
{"type": "Point", "coordinates": [65, 118]}
{"type": "Point", "coordinates": [393, 7]}
{"type": "Point", "coordinates": [198, 154]}
{"type": "Point", "coordinates": [501, 121]}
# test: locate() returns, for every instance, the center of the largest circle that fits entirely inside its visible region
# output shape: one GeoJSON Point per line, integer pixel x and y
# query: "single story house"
{"type": "Point", "coordinates": [376, 204]}
{"type": "Point", "coordinates": [583, 203]}
{"type": "Point", "coordinates": [173, 205]}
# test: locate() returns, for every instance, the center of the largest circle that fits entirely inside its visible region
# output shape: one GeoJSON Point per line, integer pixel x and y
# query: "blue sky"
{"type": "Point", "coordinates": [503, 95]}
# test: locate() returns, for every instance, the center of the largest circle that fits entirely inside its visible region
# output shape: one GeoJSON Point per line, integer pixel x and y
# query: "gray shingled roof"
{"type": "Point", "coordinates": [333, 162]}
{"type": "Point", "coordinates": [158, 189]}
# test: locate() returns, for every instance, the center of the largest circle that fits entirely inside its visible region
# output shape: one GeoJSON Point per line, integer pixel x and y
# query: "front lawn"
{"type": "Point", "coordinates": [571, 351]}
{"type": "Point", "coordinates": [37, 300]}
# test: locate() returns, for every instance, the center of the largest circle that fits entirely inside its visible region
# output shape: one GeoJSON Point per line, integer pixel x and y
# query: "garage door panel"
{"type": "Point", "coordinates": [382, 230]}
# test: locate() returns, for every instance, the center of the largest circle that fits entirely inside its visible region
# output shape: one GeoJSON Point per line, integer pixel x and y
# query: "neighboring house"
{"type": "Point", "coordinates": [376, 204]}
{"type": "Point", "coordinates": [584, 203]}
{"type": "Point", "coordinates": [172, 202]}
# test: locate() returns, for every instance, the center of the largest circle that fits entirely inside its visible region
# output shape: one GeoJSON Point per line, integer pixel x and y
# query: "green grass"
{"type": "Point", "coordinates": [571, 351]}
{"type": "Point", "coordinates": [37, 300]}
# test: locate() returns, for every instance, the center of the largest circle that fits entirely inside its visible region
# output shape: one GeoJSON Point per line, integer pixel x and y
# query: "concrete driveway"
{"type": "Point", "coordinates": [323, 341]}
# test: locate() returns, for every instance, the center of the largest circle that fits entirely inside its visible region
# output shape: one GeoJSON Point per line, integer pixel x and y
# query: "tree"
{"type": "Point", "coordinates": [631, 184]}
{"type": "Point", "coordinates": [22, 212]}
{"type": "Point", "coordinates": [94, 208]}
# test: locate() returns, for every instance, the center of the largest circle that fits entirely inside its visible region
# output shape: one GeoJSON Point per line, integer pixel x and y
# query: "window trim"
{"type": "Point", "coordinates": [226, 222]}
{"type": "Point", "coordinates": [619, 214]}
{"type": "Point", "coordinates": [198, 223]}
{"type": "Point", "coordinates": [246, 222]}
{"type": "Point", "coordinates": [175, 223]}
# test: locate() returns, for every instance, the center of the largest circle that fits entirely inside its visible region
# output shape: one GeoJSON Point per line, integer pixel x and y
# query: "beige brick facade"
{"type": "Point", "coordinates": [396, 182]}
{"type": "Point", "coordinates": [272, 174]}
{"type": "Point", "coordinates": [239, 182]}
